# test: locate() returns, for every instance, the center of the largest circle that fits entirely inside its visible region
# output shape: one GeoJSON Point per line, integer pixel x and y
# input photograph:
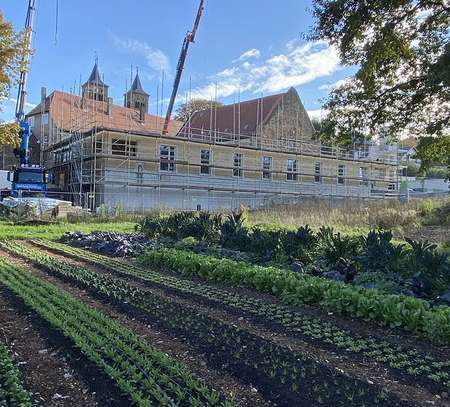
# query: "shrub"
{"type": "Point", "coordinates": [201, 225]}
{"type": "Point", "coordinates": [234, 232]}
{"type": "Point", "coordinates": [265, 242]}
{"type": "Point", "coordinates": [429, 265]}
{"type": "Point", "coordinates": [335, 246]}
{"type": "Point", "coordinates": [301, 244]}
{"type": "Point", "coordinates": [379, 253]}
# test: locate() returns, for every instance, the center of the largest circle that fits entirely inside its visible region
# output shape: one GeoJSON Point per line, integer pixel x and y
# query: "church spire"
{"type": "Point", "coordinates": [136, 97]}
{"type": "Point", "coordinates": [95, 76]}
{"type": "Point", "coordinates": [95, 88]}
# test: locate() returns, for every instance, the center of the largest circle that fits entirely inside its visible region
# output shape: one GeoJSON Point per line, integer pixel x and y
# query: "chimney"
{"type": "Point", "coordinates": [142, 114]}
{"type": "Point", "coordinates": [109, 103]}
{"type": "Point", "coordinates": [43, 93]}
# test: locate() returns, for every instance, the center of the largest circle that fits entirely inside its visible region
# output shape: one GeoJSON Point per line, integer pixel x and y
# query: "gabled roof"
{"type": "Point", "coordinates": [67, 112]}
{"type": "Point", "coordinates": [136, 87]}
{"type": "Point", "coordinates": [243, 117]}
{"type": "Point", "coordinates": [95, 77]}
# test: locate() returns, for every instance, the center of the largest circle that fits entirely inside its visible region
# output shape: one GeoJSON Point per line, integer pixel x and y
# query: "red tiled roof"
{"type": "Point", "coordinates": [66, 112]}
{"type": "Point", "coordinates": [245, 116]}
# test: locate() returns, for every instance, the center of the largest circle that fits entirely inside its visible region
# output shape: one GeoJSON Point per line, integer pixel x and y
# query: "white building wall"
{"type": "Point", "coordinates": [176, 191]}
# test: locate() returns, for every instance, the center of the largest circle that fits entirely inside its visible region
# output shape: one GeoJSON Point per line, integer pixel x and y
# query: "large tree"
{"type": "Point", "coordinates": [434, 151]}
{"type": "Point", "coordinates": [185, 110]}
{"type": "Point", "coordinates": [402, 53]}
{"type": "Point", "coordinates": [11, 53]}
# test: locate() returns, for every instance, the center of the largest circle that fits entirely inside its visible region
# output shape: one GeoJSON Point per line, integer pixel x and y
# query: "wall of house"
{"type": "Point", "coordinates": [289, 122]}
{"type": "Point", "coordinates": [130, 175]}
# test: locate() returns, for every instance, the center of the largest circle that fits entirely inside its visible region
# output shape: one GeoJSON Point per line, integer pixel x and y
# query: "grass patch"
{"type": "Point", "coordinates": [53, 231]}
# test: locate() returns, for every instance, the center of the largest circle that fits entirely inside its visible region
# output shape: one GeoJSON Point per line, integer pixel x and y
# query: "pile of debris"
{"type": "Point", "coordinates": [30, 207]}
{"type": "Point", "coordinates": [109, 243]}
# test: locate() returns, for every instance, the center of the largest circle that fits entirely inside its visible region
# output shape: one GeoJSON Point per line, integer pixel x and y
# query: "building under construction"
{"type": "Point", "coordinates": [250, 153]}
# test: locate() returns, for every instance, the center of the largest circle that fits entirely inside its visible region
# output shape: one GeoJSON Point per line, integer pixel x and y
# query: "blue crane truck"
{"type": "Point", "coordinates": [26, 179]}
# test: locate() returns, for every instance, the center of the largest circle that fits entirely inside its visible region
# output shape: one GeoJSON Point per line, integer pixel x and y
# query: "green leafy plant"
{"type": "Point", "coordinates": [335, 246]}
{"type": "Point", "coordinates": [12, 390]}
{"type": "Point", "coordinates": [313, 330]}
{"type": "Point", "coordinates": [245, 352]}
{"type": "Point", "coordinates": [234, 232]}
{"type": "Point", "coordinates": [143, 373]}
{"type": "Point", "coordinates": [428, 264]}
{"type": "Point", "coordinates": [379, 254]}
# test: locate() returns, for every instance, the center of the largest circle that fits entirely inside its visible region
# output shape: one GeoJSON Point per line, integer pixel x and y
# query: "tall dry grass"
{"type": "Point", "coordinates": [386, 214]}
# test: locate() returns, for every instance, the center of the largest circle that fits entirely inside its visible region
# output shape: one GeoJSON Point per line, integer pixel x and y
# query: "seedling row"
{"type": "Point", "coordinates": [12, 389]}
{"type": "Point", "coordinates": [402, 359]}
{"type": "Point", "coordinates": [289, 377]}
{"type": "Point", "coordinates": [143, 373]}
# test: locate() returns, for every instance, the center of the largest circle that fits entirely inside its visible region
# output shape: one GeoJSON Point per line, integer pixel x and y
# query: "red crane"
{"type": "Point", "coordinates": [190, 37]}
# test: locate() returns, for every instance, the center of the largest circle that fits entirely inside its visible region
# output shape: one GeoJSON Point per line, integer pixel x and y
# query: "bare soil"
{"type": "Point", "coordinates": [352, 365]}
{"type": "Point", "coordinates": [55, 377]}
{"type": "Point", "coordinates": [244, 395]}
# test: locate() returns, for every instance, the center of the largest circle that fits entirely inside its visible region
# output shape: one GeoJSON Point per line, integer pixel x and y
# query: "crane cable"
{"type": "Point", "coordinates": [56, 22]}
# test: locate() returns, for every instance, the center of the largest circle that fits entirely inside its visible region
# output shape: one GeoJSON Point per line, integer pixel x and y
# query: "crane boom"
{"type": "Point", "coordinates": [27, 178]}
{"type": "Point", "coordinates": [23, 80]}
{"type": "Point", "coordinates": [190, 38]}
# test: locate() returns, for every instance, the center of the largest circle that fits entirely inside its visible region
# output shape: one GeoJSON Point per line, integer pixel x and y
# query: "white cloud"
{"type": "Point", "coordinates": [251, 53]}
{"type": "Point", "coordinates": [300, 64]}
{"type": "Point", "coordinates": [155, 58]}
{"type": "Point", "coordinates": [14, 101]}
{"type": "Point", "coordinates": [422, 15]}
{"type": "Point", "coordinates": [328, 87]}
{"type": "Point", "coordinates": [317, 114]}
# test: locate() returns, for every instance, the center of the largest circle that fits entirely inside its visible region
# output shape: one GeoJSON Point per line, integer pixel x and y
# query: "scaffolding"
{"type": "Point", "coordinates": [98, 153]}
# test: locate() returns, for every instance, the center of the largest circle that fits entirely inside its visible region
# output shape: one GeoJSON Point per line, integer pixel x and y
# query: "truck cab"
{"type": "Point", "coordinates": [28, 180]}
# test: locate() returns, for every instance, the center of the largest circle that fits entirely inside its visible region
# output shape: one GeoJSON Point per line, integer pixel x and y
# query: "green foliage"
{"type": "Point", "coordinates": [379, 279]}
{"type": "Point", "coordinates": [201, 225]}
{"type": "Point", "coordinates": [316, 331]}
{"type": "Point", "coordinates": [373, 253]}
{"type": "Point", "coordinates": [434, 151]}
{"type": "Point", "coordinates": [11, 55]}
{"type": "Point", "coordinates": [186, 243]}
{"type": "Point", "coordinates": [12, 391]}
{"type": "Point", "coordinates": [393, 310]}
{"type": "Point", "coordinates": [143, 373]}
{"type": "Point", "coordinates": [379, 253]}
{"type": "Point", "coordinates": [301, 244]}
{"type": "Point", "coordinates": [234, 232]}
{"type": "Point", "coordinates": [265, 242]}
{"type": "Point", "coordinates": [246, 353]}
{"type": "Point", "coordinates": [432, 267]}
{"type": "Point", "coordinates": [335, 246]}
{"type": "Point", "coordinates": [402, 51]}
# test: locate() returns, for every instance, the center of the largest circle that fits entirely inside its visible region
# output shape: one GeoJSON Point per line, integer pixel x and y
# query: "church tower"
{"type": "Point", "coordinates": [136, 97]}
{"type": "Point", "coordinates": [94, 88]}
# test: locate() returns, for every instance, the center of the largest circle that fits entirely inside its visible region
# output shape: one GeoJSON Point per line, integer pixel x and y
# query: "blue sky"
{"type": "Point", "coordinates": [251, 47]}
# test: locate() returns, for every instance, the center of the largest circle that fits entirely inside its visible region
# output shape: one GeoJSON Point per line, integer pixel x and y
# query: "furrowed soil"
{"type": "Point", "coordinates": [353, 365]}
{"type": "Point", "coordinates": [243, 394]}
{"type": "Point", "coordinates": [52, 371]}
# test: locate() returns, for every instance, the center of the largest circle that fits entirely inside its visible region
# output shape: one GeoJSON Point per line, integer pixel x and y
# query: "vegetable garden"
{"type": "Point", "coordinates": [189, 320]}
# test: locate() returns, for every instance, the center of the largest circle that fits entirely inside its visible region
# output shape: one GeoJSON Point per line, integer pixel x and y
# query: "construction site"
{"type": "Point", "coordinates": [249, 153]}
{"type": "Point", "coordinates": [100, 153]}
